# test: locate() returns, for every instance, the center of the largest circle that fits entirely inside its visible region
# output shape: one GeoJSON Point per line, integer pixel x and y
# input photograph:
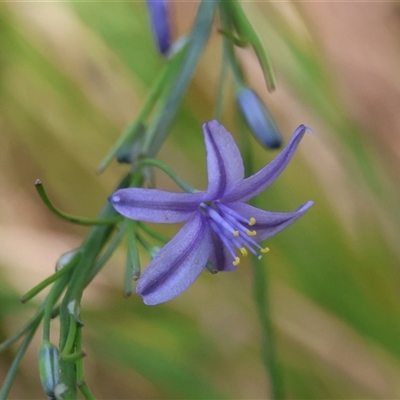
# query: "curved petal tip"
{"type": "Point", "coordinates": [306, 206]}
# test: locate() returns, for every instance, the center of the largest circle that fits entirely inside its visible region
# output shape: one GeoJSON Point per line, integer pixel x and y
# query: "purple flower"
{"type": "Point", "coordinates": [259, 118]}
{"type": "Point", "coordinates": [160, 23]}
{"type": "Point", "coordinates": [220, 227]}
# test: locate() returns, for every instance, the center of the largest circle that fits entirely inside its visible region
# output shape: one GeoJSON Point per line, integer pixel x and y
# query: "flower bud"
{"type": "Point", "coordinates": [48, 367]}
{"type": "Point", "coordinates": [154, 250]}
{"type": "Point", "coordinates": [258, 118]}
{"type": "Point", "coordinates": [160, 24]}
{"type": "Point", "coordinates": [74, 309]}
{"type": "Point", "coordinates": [67, 258]}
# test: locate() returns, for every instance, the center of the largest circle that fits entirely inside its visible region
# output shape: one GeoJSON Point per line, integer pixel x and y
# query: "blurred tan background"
{"type": "Point", "coordinates": [73, 75]}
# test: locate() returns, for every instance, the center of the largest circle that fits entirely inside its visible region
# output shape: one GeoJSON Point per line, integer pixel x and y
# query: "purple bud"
{"type": "Point", "coordinates": [259, 118]}
{"type": "Point", "coordinates": [160, 23]}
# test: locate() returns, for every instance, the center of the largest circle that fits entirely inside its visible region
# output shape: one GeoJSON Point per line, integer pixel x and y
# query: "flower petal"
{"type": "Point", "coordinates": [269, 223]}
{"type": "Point", "coordinates": [219, 255]}
{"type": "Point", "coordinates": [152, 205]}
{"type": "Point", "coordinates": [224, 162]}
{"type": "Point", "coordinates": [258, 182]}
{"type": "Point", "coordinates": [177, 264]}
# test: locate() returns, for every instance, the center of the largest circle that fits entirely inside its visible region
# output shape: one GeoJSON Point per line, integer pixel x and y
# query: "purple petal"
{"type": "Point", "coordinates": [219, 255]}
{"type": "Point", "coordinates": [224, 162]}
{"type": "Point", "coordinates": [160, 23]}
{"type": "Point", "coordinates": [177, 264]}
{"type": "Point", "coordinates": [269, 223]}
{"type": "Point", "coordinates": [152, 205]}
{"type": "Point", "coordinates": [258, 182]}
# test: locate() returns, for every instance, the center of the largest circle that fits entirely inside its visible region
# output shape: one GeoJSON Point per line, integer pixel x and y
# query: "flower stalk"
{"type": "Point", "coordinates": [247, 34]}
{"type": "Point", "coordinates": [132, 269]}
{"type": "Point", "coordinates": [67, 217]}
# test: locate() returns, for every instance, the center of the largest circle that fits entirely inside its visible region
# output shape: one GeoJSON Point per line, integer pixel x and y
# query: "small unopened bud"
{"type": "Point", "coordinates": [259, 119]}
{"type": "Point", "coordinates": [74, 309]}
{"type": "Point", "coordinates": [160, 24]}
{"type": "Point", "coordinates": [60, 391]}
{"type": "Point", "coordinates": [154, 250]}
{"type": "Point", "coordinates": [48, 367]}
{"type": "Point", "coordinates": [67, 258]}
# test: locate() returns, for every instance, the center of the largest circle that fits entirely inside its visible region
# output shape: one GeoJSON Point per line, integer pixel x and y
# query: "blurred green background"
{"type": "Point", "coordinates": [73, 75]}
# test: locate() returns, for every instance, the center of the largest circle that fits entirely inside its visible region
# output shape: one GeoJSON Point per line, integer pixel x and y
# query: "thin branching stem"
{"type": "Point", "coordinates": [8, 381]}
{"type": "Point", "coordinates": [71, 218]}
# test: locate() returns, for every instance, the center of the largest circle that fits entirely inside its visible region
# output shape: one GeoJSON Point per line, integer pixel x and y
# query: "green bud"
{"type": "Point", "coordinates": [60, 391]}
{"type": "Point", "coordinates": [74, 309]}
{"type": "Point", "coordinates": [67, 258]}
{"type": "Point", "coordinates": [154, 250]}
{"type": "Point", "coordinates": [48, 367]}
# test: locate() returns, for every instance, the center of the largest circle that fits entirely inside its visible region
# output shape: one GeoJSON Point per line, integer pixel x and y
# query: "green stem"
{"type": "Point", "coordinates": [25, 329]}
{"type": "Point", "coordinates": [107, 254]}
{"type": "Point", "coordinates": [261, 300]}
{"type": "Point", "coordinates": [221, 85]}
{"type": "Point", "coordinates": [84, 388]}
{"type": "Point", "coordinates": [161, 80]}
{"type": "Point", "coordinates": [155, 235]}
{"type": "Point", "coordinates": [92, 246]}
{"type": "Point", "coordinates": [51, 299]}
{"type": "Point", "coordinates": [73, 357]}
{"type": "Point", "coordinates": [8, 381]}
{"type": "Point", "coordinates": [71, 218]}
{"type": "Point", "coordinates": [248, 34]}
{"type": "Point", "coordinates": [81, 382]}
{"type": "Point", "coordinates": [69, 343]}
{"type": "Point", "coordinates": [132, 270]}
{"type": "Point", "coordinates": [171, 173]}
{"type": "Point", "coordinates": [201, 30]}
{"type": "Point", "coordinates": [230, 52]}
{"type": "Point", "coordinates": [268, 346]}
{"type": "Point", "coordinates": [52, 278]}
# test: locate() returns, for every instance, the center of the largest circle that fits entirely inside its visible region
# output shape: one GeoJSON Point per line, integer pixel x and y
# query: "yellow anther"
{"type": "Point", "coordinates": [243, 250]}
{"type": "Point", "coordinates": [236, 262]}
{"type": "Point", "coordinates": [236, 233]}
{"type": "Point", "coordinates": [252, 221]}
{"type": "Point", "coordinates": [251, 233]}
{"type": "Point", "coordinates": [266, 250]}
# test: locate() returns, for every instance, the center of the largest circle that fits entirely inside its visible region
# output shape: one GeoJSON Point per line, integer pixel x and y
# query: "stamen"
{"type": "Point", "coordinates": [256, 253]}
{"type": "Point", "coordinates": [233, 230]}
{"type": "Point", "coordinates": [222, 236]}
{"type": "Point", "coordinates": [225, 210]}
{"type": "Point", "coordinates": [240, 228]}
{"type": "Point", "coordinates": [219, 219]}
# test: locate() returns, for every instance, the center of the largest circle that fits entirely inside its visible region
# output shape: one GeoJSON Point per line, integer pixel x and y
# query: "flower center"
{"type": "Point", "coordinates": [233, 229]}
